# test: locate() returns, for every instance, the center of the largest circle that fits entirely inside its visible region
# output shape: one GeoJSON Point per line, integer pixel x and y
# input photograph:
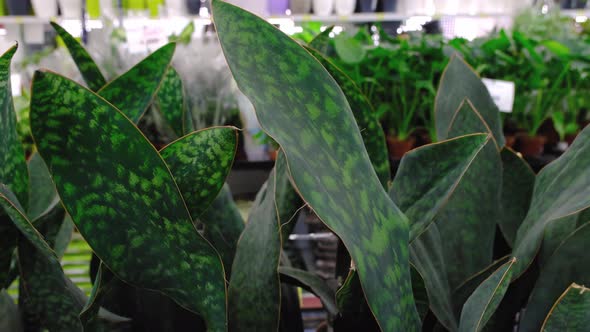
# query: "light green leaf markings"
{"type": "Point", "coordinates": [170, 101]}
{"type": "Point", "coordinates": [571, 312]}
{"type": "Point", "coordinates": [254, 289]}
{"type": "Point", "coordinates": [123, 198]}
{"type": "Point", "coordinates": [88, 68]}
{"type": "Point", "coordinates": [329, 164]}
{"type": "Point", "coordinates": [484, 301]}
{"type": "Point", "coordinates": [134, 91]}
{"type": "Point", "coordinates": [200, 163]}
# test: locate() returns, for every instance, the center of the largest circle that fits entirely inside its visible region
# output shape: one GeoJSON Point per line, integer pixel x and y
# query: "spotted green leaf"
{"type": "Point", "coordinates": [123, 199]}
{"type": "Point", "coordinates": [134, 91]}
{"type": "Point", "coordinates": [322, 42]}
{"type": "Point", "coordinates": [59, 299]}
{"type": "Point", "coordinates": [302, 108]}
{"type": "Point", "coordinates": [13, 167]}
{"type": "Point", "coordinates": [571, 312]}
{"type": "Point", "coordinates": [561, 189]}
{"type": "Point", "coordinates": [254, 289]}
{"type": "Point", "coordinates": [460, 82]}
{"type": "Point", "coordinates": [364, 114]}
{"type": "Point", "coordinates": [311, 283]}
{"type": "Point", "coordinates": [569, 263]}
{"type": "Point", "coordinates": [483, 302]}
{"type": "Point", "coordinates": [9, 316]}
{"type": "Point", "coordinates": [88, 68]}
{"type": "Point", "coordinates": [170, 101]}
{"type": "Point", "coordinates": [518, 180]}
{"type": "Point", "coordinates": [200, 163]}
{"type": "Point", "coordinates": [223, 226]}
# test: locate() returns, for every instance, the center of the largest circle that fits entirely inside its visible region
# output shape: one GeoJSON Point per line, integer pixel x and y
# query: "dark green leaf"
{"type": "Point", "coordinates": [518, 180]}
{"type": "Point", "coordinates": [483, 302]}
{"type": "Point", "coordinates": [349, 49]}
{"type": "Point", "coordinates": [254, 289]}
{"type": "Point", "coordinates": [200, 162]}
{"type": "Point", "coordinates": [170, 101]}
{"type": "Point", "coordinates": [569, 263]}
{"type": "Point", "coordinates": [322, 42]}
{"type": "Point", "coordinates": [467, 120]}
{"type": "Point", "coordinates": [42, 195]}
{"type": "Point", "coordinates": [133, 92]}
{"type": "Point", "coordinates": [301, 107]}
{"type": "Point", "coordinates": [123, 199]}
{"type": "Point", "coordinates": [88, 68]}
{"type": "Point", "coordinates": [311, 283]}
{"type": "Point", "coordinates": [364, 114]}
{"type": "Point", "coordinates": [571, 312]}
{"type": "Point", "coordinates": [460, 82]}
{"type": "Point", "coordinates": [561, 189]}
{"type": "Point", "coordinates": [58, 300]}
{"type": "Point", "coordinates": [223, 226]}
{"type": "Point", "coordinates": [9, 315]}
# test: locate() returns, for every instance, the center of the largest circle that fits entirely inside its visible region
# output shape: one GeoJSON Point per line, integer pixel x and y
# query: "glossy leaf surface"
{"type": "Point", "coordinates": [123, 198]}
{"type": "Point", "coordinates": [42, 195]}
{"type": "Point", "coordinates": [134, 91]}
{"type": "Point", "coordinates": [88, 68]}
{"type": "Point", "coordinates": [200, 162]}
{"type": "Point", "coordinates": [571, 312]}
{"type": "Point", "coordinates": [170, 100]}
{"type": "Point", "coordinates": [302, 108]}
{"type": "Point", "coordinates": [460, 82]}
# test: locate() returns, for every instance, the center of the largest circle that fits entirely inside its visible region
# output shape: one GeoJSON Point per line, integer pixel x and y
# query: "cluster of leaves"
{"type": "Point", "coordinates": [173, 254]}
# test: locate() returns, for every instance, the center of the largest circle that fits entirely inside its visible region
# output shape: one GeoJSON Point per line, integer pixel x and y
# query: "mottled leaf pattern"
{"type": "Point", "coordinates": [133, 92]}
{"type": "Point", "coordinates": [562, 188]}
{"type": "Point", "coordinates": [483, 302]}
{"type": "Point", "coordinates": [41, 273]}
{"type": "Point", "coordinates": [569, 263]}
{"type": "Point", "coordinates": [518, 180]}
{"type": "Point", "coordinates": [223, 226]}
{"type": "Point", "coordinates": [88, 68]}
{"type": "Point", "coordinates": [302, 108]}
{"type": "Point", "coordinates": [571, 312]}
{"type": "Point", "coordinates": [369, 125]}
{"type": "Point", "coordinates": [311, 283]}
{"type": "Point", "coordinates": [170, 100]}
{"type": "Point", "coordinates": [42, 195]}
{"type": "Point", "coordinates": [200, 162]}
{"type": "Point", "coordinates": [460, 82]}
{"type": "Point", "coordinates": [322, 42]}
{"type": "Point", "coordinates": [123, 198]}
{"type": "Point", "coordinates": [254, 289]}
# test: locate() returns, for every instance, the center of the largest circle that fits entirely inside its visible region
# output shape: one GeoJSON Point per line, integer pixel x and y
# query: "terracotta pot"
{"type": "Point", "coordinates": [397, 148]}
{"type": "Point", "coordinates": [531, 146]}
{"type": "Point", "coordinates": [273, 155]}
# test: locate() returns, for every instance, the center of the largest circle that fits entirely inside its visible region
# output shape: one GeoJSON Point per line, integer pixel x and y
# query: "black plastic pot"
{"type": "Point", "coordinates": [389, 6]}
{"type": "Point", "coordinates": [368, 6]}
{"type": "Point", "coordinates": [19, 7]}
{"type": "Point", "coordinates": [574, 4]}
{"type": "Point", "coordinates": [193, 6]}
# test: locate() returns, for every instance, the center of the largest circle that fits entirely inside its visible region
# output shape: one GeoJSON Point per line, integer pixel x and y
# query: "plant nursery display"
{"type": "Point", "coordinates": [463, 237]}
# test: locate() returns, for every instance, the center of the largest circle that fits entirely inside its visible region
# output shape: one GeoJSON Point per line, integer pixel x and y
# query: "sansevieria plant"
{"type": "Point", "coordinates": [172, 252]}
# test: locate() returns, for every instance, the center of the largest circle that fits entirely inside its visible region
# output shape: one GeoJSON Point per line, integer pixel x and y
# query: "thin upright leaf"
{"type": "Point", "coordinates": [170, 100]}
{"type": "Point", "coordinates": [302, 108]}
{"type": "Point", "coordinates": [123, 199]}
{"type": "Point", "coordinates": [311, 283]}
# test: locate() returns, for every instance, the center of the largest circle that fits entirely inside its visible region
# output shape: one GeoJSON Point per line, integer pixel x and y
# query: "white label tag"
{"type": "Point", "coordinates": [502, 92]}
{"type": "Point", "coordinates": [16, 83]}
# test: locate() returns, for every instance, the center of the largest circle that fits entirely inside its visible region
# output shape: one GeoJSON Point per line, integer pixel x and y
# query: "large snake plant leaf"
{"type": "Point", "coordinates": [302, 108]}
{"type": "Point", "coordinates": [569, 263]}
{"type": "Point", "coordinates": [571, 312]}
{"type": "Point", "coordinates": [200, 163]}
{"type": "Point", "coordinates": [561, 189]}
{"type": "Point", "coordinates": [13, 167]}
{"type": "Point", "coordinates": [467, 120]}
{"type": "Point", "coordinates": [88, 68]}
{"type": "Point", "coordinates": [364, 114]}
{"type": "Point", "coordinates": [43, 197]}
{"type": "Point", "coordinates": [123, 199]}
{"type": "Point", "coordinates": [426, 255]}
{"type": "Point", "coordinates": [323, 42]}
{"type": "Point", "coordinates": [223, 226]}
{"type": "Point", "coordinates": [170, 101]}
{"type": "Point", "coordinates": [254, 289]}
{"type": "Point", "coordinates": [62, 300]}
{"type": "Point", "coordinates": [460, 82]}
{"type": "Point", "coordinates": [312, 283]}
{"type": "Point", "coordinates": [518, 181]}
{"type": "Point", "coordinates": [483, 302]}
{"type": "Point", "coordinates": [10, 319]}
{"type": "Point", "coordinates": [133, 92]}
